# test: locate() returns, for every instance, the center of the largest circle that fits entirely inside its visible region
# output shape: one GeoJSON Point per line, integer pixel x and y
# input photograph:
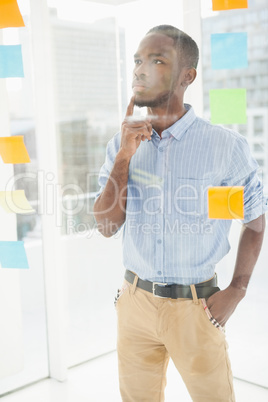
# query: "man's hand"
{"type": "Point", "coordinates": [133, 131]}
{"type": "Point", "coordinates": [223, 303]}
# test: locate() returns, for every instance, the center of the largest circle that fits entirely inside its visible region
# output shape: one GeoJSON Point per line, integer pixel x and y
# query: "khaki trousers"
{"type": "Point", "coordinates": [151, 330]}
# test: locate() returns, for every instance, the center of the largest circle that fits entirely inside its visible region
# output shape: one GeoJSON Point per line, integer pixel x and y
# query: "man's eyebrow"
{"type": "Point", "coordinates": [157, 55]}
{"type": "Point", "coordinates": [136, 55]}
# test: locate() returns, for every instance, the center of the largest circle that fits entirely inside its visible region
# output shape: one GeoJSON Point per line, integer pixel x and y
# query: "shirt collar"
{"type": "Point", "coordinates": [179, 128]}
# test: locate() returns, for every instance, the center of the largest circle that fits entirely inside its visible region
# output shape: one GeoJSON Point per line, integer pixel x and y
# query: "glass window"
{"type": "Point", "coordinates": [30, 282]}
{"type": "Point", "coordinates": [93, 60]}
{"type": "Point", "coordinates": [92, 46]}
{"type": "Point", "coordinates": [248, 318]}
{"type": "Point", "coordinates": [258, 123]}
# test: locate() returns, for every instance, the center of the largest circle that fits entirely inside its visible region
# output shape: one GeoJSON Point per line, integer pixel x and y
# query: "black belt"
{"type": "Point", "coordinates": [159, 289]}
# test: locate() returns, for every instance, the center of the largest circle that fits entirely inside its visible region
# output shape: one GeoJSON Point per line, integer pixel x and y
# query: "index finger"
{"type": "Point", "coordinates": [130, 107]}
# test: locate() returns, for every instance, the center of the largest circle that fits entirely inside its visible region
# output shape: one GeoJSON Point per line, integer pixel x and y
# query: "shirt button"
{"type": "Point", "coordinates": [159, 272]}
{"type": "Point", "coordinates": [159, 241]}
{"type": "Point", "coordinates": [160, 149]}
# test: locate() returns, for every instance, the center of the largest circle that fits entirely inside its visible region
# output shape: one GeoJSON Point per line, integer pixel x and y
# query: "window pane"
{"type": "Point", "coordinates": [31, 281]}
{"type": "Point", "coordinates": [93, 49]}
{"type": "Point", "coordinates": [246, 332]}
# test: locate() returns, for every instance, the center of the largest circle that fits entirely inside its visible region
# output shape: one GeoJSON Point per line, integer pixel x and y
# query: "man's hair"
{"type": "Point", "coordinates": [185, 45]}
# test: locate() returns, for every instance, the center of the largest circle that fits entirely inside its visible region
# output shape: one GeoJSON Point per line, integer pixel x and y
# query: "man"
{"type": "Point", "coordinates": [154, 182]}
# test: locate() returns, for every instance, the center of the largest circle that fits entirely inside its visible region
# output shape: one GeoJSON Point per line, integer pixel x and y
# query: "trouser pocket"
{"type": "Point", "coordinates": [210, 316]}
{"type": "Point", "coordinates": [120, 292]}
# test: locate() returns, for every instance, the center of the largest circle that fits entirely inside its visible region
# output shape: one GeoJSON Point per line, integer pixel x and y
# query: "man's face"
{"type": "Point", "coordinates": [156, 72]}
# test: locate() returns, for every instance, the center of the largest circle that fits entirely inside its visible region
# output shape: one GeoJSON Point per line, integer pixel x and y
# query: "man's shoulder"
{"type": "Point", "coordinates": [216, 129]}
{"type": "Point", "coordinates": [115, 138]}
{"type": "Point", "coordinates": [114, 142]}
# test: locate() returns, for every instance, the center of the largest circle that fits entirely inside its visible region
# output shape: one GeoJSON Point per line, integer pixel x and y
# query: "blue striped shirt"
{"type": "Point", "coordinates": [167, 235]}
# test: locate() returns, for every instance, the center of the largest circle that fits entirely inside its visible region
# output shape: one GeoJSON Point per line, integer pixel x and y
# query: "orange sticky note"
{"type": "Point", "coordinates": [218, 5]}
{"type": "Point", "coordinates": [10, 15]}
{"type": "Point", "coordinates": [226, 202]}
{"type": "Point", "coordinates": [15, 202]}
{"type": "Point", "coordinates": [13, 150]}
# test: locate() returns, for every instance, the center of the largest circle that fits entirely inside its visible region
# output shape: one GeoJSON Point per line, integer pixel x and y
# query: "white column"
{"type": "Point", "coordinates": [192, 26]}
{"type": "Point", "coordinates": [49, 195]}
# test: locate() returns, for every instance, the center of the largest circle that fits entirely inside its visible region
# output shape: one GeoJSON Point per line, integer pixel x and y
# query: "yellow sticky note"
{"type": "Point", "coordinates": [13, 150]}
{"type": "Point", "coordinates": [226, 202]}
{"type": "Point", "coordinates": [10, 15]}
{"type": "Point", "coordinates": [15, 202]}
{"type": "Point", "coordinates": [218, 5]}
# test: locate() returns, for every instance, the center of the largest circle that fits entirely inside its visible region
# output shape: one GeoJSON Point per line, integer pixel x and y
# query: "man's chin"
{"type": "Point", "coordinates": [157, 102]}
{"type": "Point", "coordinates": [141, 103]}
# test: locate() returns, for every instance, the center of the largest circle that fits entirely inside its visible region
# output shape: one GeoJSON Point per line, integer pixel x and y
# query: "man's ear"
{"type": "Point", "coordinates": [188, 77]}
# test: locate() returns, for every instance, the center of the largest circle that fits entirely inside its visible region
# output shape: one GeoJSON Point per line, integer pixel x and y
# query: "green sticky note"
{"type": "Point", "coordinates": [228, 106]}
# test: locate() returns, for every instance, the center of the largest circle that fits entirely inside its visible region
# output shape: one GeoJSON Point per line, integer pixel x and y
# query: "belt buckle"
{"type": "Point", "coordinates": [160, 284]}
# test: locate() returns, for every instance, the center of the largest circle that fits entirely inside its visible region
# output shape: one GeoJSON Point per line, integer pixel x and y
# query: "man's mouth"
{"type": "Point", "coordinates": [138, 86]}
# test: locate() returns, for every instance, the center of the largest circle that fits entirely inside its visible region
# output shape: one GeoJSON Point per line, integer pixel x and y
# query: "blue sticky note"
{"type": "Point", "coordinates": [229, 50]}
{"type": "Point", "coordinates": [13, 255]}
{"type": "Point", "coordinates": [11, 64]}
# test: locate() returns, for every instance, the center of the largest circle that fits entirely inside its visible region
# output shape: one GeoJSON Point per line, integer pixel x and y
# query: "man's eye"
{"type": "Point", "coordinates": [156, 61]}
{"type": "Point", "coordinates": [137, 61]}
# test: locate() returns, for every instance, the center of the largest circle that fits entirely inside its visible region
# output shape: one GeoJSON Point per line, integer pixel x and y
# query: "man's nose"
{"type": "Point", "coordinates": [141, 71]}
{"type": "Point", "coordinates": [140, 76]}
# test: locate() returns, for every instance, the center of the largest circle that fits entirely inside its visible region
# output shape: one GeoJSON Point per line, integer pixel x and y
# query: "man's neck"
{"type": "Point", "coordinates": [162, 118]}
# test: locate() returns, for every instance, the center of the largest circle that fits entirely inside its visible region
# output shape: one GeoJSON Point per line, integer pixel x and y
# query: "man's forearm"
{"type": "Point", "coordinates": [222, 304]}
{"type": "Point", "coordinates": [110, 206]}
{"type": "Point", "coordinates": [248, 251]}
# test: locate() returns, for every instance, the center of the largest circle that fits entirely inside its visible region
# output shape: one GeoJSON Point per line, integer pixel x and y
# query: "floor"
{"type": "Point", "coordinates": [96, 381]}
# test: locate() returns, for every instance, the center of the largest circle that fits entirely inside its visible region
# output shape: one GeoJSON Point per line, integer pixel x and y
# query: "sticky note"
{"type": "Point", "coordinates": [226, 202]}
{"type": "Point", "coordinates": [218, 5]}
{"type": "Point", "coordinates": [13, 255]}
{"type": "Point", "coordinates": [13, 150]}
{"type": "Point", "coordinates": [15, 202]}
{"type": "Point", "coordinates": [11, 64]}
{"type": "Point", "coordinates": [10, 15]}
{"type": "Point", "coordinates": [229, 50]}
{"type": "Point", "coordinates": [228, 106]}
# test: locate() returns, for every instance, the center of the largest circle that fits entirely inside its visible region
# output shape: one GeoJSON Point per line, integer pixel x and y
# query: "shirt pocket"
{"type": "Point", "coordinates": [191, 199]}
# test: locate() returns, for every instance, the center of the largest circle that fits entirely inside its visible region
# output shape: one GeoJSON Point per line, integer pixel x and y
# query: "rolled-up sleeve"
{"type": "Point", "coordinates": [243, 171]}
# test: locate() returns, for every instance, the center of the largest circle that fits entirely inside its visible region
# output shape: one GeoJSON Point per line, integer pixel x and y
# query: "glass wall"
{"type": "Point", "coordinates": [25, 356]}
{"type": "Point", "coordinates": [246, 330]}
{"type": "Point", "coordinates": [92, 60]}
{"type": "Point", "coordinates": [88, 48]}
